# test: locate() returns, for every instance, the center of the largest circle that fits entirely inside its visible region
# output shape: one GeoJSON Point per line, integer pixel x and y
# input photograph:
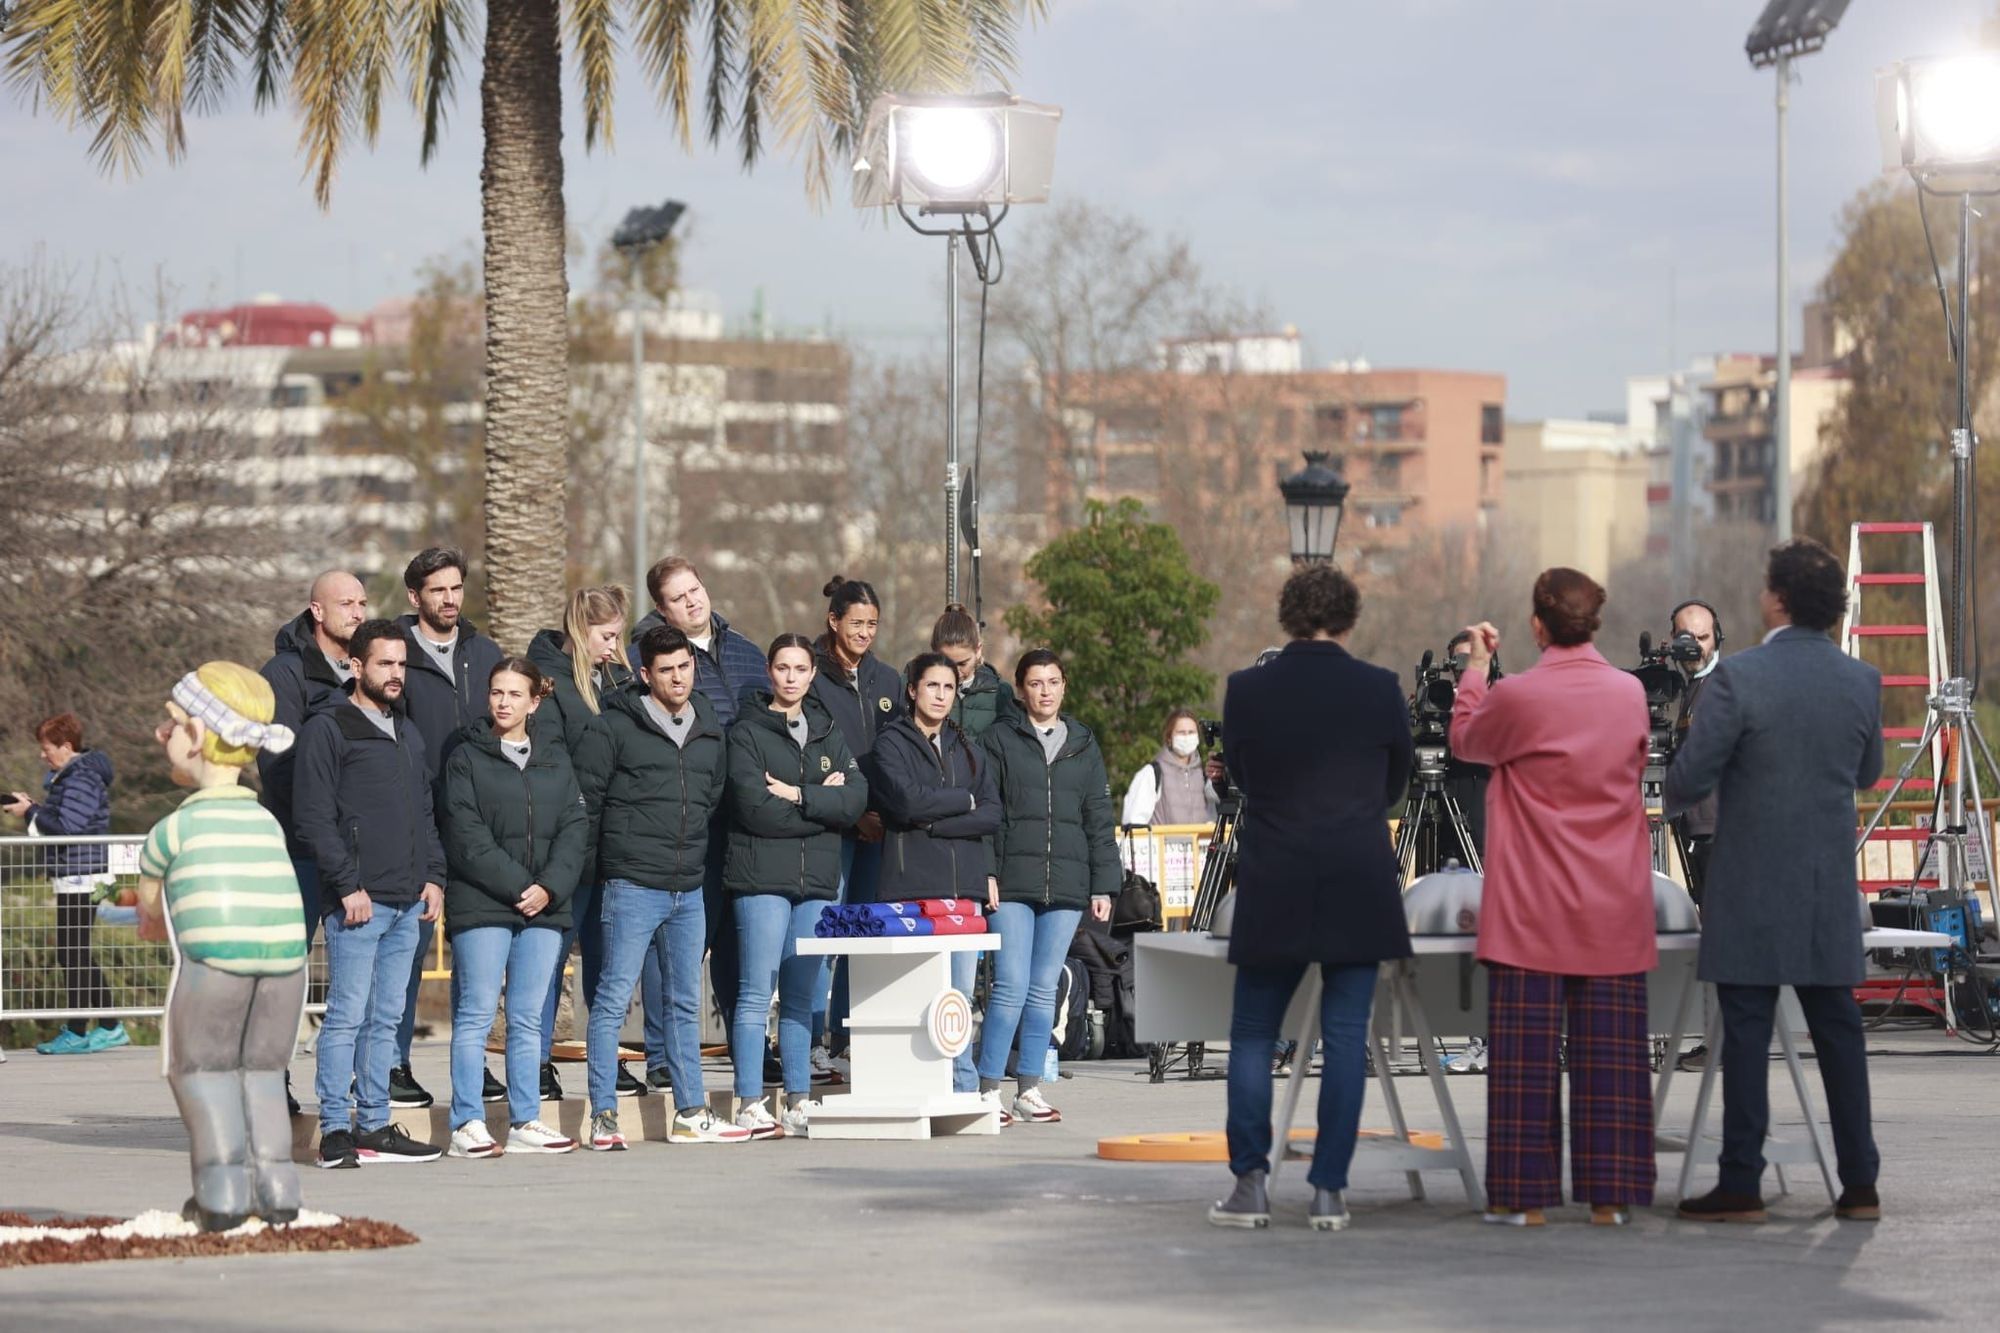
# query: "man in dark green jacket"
{"type": "Point", "coordinates": [665, 780]}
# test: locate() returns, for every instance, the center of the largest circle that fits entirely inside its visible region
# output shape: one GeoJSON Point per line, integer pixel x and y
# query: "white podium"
{"type": "Point", "coordinates": [905, 1025]}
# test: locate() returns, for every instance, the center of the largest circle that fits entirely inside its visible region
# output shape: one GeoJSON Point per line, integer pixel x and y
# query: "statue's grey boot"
{"type": "Point", "coordinates": [1248, 1205]}
{"type": "Point", "coordinates": [211, 1106]}
{"type": "Point", "coordinates": [1328, 1211]}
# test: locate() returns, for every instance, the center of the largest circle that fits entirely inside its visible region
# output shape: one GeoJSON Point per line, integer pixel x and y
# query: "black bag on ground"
{"type": "Point", "coordinates": [1108, 961]}
{"type": "Point", "coordinates": [1138, 906]}
{"type": "Point", "coordinates": [1072, 1028]}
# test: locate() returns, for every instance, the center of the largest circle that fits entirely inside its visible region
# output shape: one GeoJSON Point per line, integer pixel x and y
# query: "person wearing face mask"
{"type": "Point", "coordinates": [864, 696]}
{"type": "Point", "coordinates": [940, 802]}
{"type": "Point", "coordinates": [585, 660]}
{"type": "Point", "coordinates": [793, 786]}
{"type": "Point", "coordinates": [983, 698]}
{"type": "Point", "coordinates": [1174, 786]}
{"type": "Point", "coordinates": [513, 826]}
{"type": "Point", "coordinates": [1055, 856]}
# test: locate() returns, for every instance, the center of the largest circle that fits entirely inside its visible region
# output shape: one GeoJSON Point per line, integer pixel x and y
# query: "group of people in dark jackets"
{"type": "Point", "coordinates": [654, 799]}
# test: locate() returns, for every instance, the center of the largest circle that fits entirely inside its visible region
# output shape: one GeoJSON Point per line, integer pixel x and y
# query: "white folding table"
{"type": "Point", "coordinates": [905, 1026]}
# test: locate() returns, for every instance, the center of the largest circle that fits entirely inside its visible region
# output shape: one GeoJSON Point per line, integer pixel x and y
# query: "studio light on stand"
{"type": "Point", "coordinates": [1315, 499]}
{"type": "Point", "coordinates": [954, 166]}
{"type": "Point", "coordinates": [643, 229]}
{"type": "Point", "coordinates": [1940, 121]}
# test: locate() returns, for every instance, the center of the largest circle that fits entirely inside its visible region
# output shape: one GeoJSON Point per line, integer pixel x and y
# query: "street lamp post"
{"type": "Point", "coordinates": [642, 229]}
{"type": "Point", "coordinates": [1786, 30]}
{"type": "Point", "coordinates": [1315, 498]}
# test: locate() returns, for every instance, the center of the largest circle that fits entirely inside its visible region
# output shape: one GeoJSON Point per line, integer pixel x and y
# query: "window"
{"type": "Point", "coordinates": [1329, 425]}
{"type": "Point", "coordinates": [1492, 424]}
{"type": "Point", "coordinates": [1387, 474]}
{"type": "Point", "coordinates": [1385, 516]}
{"type": "Point", "coordinates": [1386, 423]}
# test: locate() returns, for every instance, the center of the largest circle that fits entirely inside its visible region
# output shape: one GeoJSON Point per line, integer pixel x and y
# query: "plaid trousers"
{"type": "Point", "coordinates": [1610, 1093]}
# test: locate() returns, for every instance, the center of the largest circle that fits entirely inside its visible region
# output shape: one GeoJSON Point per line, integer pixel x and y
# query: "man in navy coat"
{"type": "Point", "coordinates": [1319, 743]}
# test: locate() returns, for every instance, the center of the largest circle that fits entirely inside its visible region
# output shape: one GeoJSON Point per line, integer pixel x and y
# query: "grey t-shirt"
{"type": "Point", "coordinates": [342, 667]}
{"type": "Point", "coordinates": [797, 726]}
{"type": "Point", "coordinates": [674, 724]}
{"type": "Point", "coordinates": [383, 721]}
{"type": "Point", "coordinates": [441, 651]}
{"type": "Point", "coordinates": [1052, 738]}
{"type": "Point", "coordinates": [517, 755]}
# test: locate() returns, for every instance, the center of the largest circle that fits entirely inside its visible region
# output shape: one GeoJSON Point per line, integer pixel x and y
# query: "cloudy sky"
{"type": "Point", "coordinates": [1521, 186]}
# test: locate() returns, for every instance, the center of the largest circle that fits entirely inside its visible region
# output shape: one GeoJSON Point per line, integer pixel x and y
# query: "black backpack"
{"type": "Point", "coordinates": [1137, 908]}
{"type": "Point", "coordinates": [1073, 1011]}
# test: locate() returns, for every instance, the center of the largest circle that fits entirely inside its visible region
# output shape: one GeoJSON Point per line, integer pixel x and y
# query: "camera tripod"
{"type": "Point", "coordinates": [1668, 844]}
{"type": "Point", "coordinates": [1432, 814]}
{"type": "Point", "coordinates": [1218, 877]}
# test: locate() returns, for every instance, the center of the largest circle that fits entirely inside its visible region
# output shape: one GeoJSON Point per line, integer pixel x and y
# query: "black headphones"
{"type": "Point", "coordinates": [1712, 615]}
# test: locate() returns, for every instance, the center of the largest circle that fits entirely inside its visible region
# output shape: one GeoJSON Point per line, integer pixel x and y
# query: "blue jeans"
{"type": "Point", "coordinates": [483, 958]}
{"type": "Point", "coordinates": [860, 876]}
{"type": "Point", "coordinates": [768, 926]}
{"type": "Point", "coordinates": [1034, 942]}
{"type": "Point", "coordinates": [406, 1027]}
{"type": "Point", "coordinates": [633, 917]}
{"type": "Point", "coordinates": [586, 909]}
{"type": "Point", "coordinates": [964, 966]}
{"type": "Point", "coordinates": [1262, 996]}
{"type": "Point", "coordinates": [368, 969]}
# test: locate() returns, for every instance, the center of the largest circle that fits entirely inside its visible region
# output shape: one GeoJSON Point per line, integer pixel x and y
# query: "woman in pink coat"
{"type": "Point", "coordinates": [1566, 921]}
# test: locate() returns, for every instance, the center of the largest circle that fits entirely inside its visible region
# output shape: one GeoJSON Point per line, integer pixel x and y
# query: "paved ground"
{"type": "Point", "coordinates": [1022, 1230]}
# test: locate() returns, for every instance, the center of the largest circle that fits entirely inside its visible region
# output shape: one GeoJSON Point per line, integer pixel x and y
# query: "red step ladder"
{"type": "Point", "coordinates": [1883, 855]}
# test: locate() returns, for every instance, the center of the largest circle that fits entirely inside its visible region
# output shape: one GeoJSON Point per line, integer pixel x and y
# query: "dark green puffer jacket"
{"type": "Point", "coordinates": [565, 719]}
{"type": "Point", "coordinates": [660, 796]}
{"type": "Point", "coordinates": [1056, 846]}
{"type": "Point", "coordinates": [983, 701]}
{"type": "Point", "coordinates": [505, 828]}
{"type": "Point", "coordinates": [774, 845]}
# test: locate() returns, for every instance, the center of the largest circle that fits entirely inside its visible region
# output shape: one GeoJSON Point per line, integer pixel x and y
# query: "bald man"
{"type": "Point", "coordinates": [308, 671]}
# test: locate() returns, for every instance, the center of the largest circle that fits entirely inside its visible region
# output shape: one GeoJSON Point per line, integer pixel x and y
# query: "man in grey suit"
{"type": "Point", "coordinates": [1785, 735]}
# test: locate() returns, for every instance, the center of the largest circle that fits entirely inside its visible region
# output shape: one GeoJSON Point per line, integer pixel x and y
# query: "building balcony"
{"type": "Point", "coordinates": [1749, 426]}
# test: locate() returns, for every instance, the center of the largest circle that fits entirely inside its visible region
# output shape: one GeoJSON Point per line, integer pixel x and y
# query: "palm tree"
{"type": "Point", "coordinates": [799, 73]}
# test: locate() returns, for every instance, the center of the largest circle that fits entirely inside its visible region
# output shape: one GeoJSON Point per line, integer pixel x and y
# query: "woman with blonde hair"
{"type": "Point", "coordinates": [583, 661]}
{"type": "Point", "coordinates": [1173, 786]}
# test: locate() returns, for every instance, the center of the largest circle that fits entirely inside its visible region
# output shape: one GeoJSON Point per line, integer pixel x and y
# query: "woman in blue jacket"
{"type": "Point", "coordinates": [939, 802]}
{"type": "Point", "coordinates": [76, 804]}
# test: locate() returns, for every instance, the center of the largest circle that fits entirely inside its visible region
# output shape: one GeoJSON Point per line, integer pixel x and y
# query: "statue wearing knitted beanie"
{"type": "Point", "coordinates": [218, 871]}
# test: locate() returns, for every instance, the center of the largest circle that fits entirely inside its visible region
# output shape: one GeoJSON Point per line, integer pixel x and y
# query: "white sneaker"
{"type": "Point", "coordinates": [534, 1136]}
{"type": "Point", "coordinates": [755, 1118]}
{"type": "Point", "coordinates": [471, 1140]}
{"type": "Point", "coordinates": [1471, 1060]}
{"type": "Point", "coordinates": [794, 1120]}
{"type": "Point", "coordinates": [604, 1135]}
{"type": "Point", "coordinates": [698, 1126]}
{"type": "Point", "coordinates": [1031, 1107]}
{"type": "Point", "coordinates": [825, 1073]}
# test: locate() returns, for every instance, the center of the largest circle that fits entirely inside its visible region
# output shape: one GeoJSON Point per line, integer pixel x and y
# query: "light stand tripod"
{"type": "Point", "coordinates": [1433, 812]}
{"type": "Point", "coordinates": [1949, 711]}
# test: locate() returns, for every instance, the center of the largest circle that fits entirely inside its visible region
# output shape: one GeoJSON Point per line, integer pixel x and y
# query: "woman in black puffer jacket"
{"type": "Point", "coordinates": [1054, 856]}
{"type": "Point", "coordinates": [793, 786]}
{"type": "Point", "coordinates": [939, 804]}
{"type": "Point", "coordinates": [516, 836]}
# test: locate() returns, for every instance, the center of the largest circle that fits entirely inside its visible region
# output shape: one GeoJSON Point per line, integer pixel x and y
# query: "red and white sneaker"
{"type": "Point", "coordinates": [1030, 1107]}
{"type": "Point", "coordinates": [698, 1126]}
{"type": "Point", "coordinates": [534, 1136]}
{"type": "Point", "coordinates": [604, 1135]}
{"type": "Point", "coordinates": [825, 1071]}
{"type": "Point", "coordinates": [756, 1118]}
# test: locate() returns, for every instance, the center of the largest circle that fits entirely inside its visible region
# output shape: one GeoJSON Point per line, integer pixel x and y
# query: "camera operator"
{"type": "Point", "coordinates": [1697, 620]}
{"type": "Point", "coordinates": [1319, 744]}
{"type": "Point", "coordinates": [1467, 782]}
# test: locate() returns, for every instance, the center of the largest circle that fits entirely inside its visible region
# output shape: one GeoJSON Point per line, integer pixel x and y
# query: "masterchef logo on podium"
{"type": "Point", "coordinates": [949, 1022]}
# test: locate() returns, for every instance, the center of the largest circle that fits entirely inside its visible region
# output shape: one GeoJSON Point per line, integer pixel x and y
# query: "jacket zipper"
{"type": "Point", "coordinates": [802, 815]}
{"type": "Point", "coordinates": [951, 844]}
{"type": "Point", "coordinates": [1049, 834]}
{"type": "Point", "coordinates": [529, 788]}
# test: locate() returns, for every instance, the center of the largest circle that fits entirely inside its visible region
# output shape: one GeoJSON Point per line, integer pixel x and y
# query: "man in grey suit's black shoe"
{"type": "Point", "coordinates": [1785, 735]}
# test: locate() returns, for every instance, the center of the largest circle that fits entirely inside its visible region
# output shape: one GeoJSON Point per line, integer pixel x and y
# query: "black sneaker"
{"type": "Point", "coordinates": [389, 1146]}
{"type": "Point", "coordinates": [291, 1102]}
{"type": "Point", "coordinates": [774, 1072]}
{"type": "Point", "coordinates": [492, 1090]}
{"type": "Point", "coordinates": [1693, 1060]}
{"type": "Point", "coordinates": [405, 1091]}
{"type": "Point", "coordinates": [551, 1085]}
{"type": "Point", "coordinates": [659, 1078]}
{"type": "Point", "coordinates": [628, 1082]}
{"type": "Point", "coordinates": [337, 1151]}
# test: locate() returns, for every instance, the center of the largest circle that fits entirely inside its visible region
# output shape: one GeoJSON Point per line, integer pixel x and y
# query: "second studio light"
{"type": "Point", "coordinates": [1940, 121]}
{"type": "Point", "coordinates": [956, 154]}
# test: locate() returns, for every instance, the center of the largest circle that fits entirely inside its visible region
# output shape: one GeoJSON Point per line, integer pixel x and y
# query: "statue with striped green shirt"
{"type": "Point", "coordinates": [217, 881]}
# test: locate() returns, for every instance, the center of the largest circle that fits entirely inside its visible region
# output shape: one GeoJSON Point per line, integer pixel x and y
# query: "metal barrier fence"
{"type": "Point", "coordinates": [40, 929]}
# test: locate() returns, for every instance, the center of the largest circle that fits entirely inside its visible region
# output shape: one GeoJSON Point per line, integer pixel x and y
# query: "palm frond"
{"type": "Point", "coordinates": [593, 34]}
{"type": "Point", "coordinates": [372, 24]}
{"type": "Point", "coordinates": [435, 32]}
{"type": "Point", "coordinates": [725, 32]}
{"type": "Point", "coordinates": [267, 49]}
{"type": "Point", "coordinates": [323, 86]}
{"type": "Point", "coordinates": [664, 40]}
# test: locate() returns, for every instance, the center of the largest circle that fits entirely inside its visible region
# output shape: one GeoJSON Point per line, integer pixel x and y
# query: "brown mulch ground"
{"type": "Point", "coordinates": [354, 1233]}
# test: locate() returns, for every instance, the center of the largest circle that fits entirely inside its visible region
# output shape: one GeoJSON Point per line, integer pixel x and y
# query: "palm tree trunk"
{"type": "Point", "coordinates": [527, 318]}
